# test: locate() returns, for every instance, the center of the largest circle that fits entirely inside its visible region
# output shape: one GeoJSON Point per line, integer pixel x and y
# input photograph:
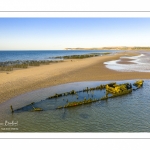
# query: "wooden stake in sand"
{"type": "Point", "coordinates": [11, 109]}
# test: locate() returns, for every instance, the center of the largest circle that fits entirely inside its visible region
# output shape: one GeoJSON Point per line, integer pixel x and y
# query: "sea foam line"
{"type": "Point", "coordinates": [138, 65]}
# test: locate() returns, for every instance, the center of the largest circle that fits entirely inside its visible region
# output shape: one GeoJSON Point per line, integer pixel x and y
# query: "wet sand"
{"type": "Point", "coordinates": [125, 61]}
{"type": "Point", "coordinates": [89, 69]}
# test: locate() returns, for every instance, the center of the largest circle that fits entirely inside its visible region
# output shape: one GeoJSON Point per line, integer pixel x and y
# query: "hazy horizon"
{"type": "Point", "coordinates": [61, 33]}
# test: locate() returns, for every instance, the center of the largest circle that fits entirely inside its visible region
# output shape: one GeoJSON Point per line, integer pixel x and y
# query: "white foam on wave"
{"type": "Point", "coordinates": [133, 57]}
{"type": "Point", "coordinates": [140, 65]}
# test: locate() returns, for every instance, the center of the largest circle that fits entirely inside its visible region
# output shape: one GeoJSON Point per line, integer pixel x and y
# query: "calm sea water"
{"type": "Point", "coordinates": [42, 55]}
{"type": "Point", "coordinates": [128, 113]}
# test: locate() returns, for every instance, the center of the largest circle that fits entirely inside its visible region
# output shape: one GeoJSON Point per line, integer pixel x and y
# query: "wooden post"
{"type": "Point", "coordinates": [11, 109]}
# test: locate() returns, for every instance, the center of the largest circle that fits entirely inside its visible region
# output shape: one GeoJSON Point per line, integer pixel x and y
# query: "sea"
{"type": "Point", "coordinates": [44, 54]}
{"type": "Point", "coordinates": [127, 113]}
{"type": "Point", "coordinates": [139, 63]}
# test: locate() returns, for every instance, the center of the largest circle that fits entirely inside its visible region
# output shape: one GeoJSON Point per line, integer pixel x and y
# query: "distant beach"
{"type": "Point", "coordinates": [20, 81]}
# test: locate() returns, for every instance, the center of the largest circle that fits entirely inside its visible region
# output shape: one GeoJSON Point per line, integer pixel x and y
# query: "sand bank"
{"type": "Point", "coordinates": [89, 69]}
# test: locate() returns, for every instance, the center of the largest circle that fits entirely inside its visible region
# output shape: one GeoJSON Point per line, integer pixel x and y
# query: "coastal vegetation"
{"type": "Point", "coordinates": [111, 48]}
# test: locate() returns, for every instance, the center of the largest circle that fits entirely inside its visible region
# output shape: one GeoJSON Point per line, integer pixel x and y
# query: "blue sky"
{"type": "Point", "coordinates": [61, 33]}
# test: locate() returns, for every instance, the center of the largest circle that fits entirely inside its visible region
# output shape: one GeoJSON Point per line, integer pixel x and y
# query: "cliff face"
{"type": "Point", "coordinates": [111, 48]}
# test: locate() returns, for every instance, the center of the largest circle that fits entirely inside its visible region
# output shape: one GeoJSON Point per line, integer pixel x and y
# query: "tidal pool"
{"type": "Point", "coordinates": [127, 113]}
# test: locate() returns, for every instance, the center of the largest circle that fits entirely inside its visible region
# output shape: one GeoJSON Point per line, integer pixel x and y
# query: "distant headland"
{"type": "Point", "coordinates": [111, 48]}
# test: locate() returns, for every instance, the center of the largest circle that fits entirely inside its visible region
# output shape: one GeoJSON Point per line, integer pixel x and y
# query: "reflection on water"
{"type": "Point", "coordinates": [128, 113]}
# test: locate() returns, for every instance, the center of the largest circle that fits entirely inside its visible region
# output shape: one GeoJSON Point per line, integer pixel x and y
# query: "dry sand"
{"type": "Point", "coordinates": [89, 69]}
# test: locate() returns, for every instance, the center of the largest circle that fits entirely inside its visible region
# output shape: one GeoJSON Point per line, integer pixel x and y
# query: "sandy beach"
{"type": "Point", "coordinates": [17, 82]}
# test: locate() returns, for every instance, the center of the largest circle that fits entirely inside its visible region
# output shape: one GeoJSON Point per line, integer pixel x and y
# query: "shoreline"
{"type": "Point", "coordinates": [20, 81]}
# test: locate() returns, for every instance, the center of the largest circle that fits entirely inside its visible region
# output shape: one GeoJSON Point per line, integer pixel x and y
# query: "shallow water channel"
{"type": "Point", "coordinates": [126, 113]}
